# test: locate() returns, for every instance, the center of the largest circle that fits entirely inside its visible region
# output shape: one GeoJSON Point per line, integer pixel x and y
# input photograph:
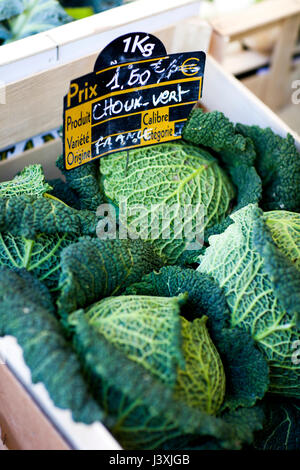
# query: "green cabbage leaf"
{"type": "Point", "coordinates": [167, 178]}
{"type": "Point", "coordinates": [285, 230]}
{"type": "Point", "coordinates": [258, 282]}
{"type": "Point", "coordinates": [214, 131]}
{"type": "Point", "coordinates": [141, 411]}
{"type": "Point", "coordinates": [201, 383]}
{"type": "Point", "coordinates": [27, 313]}
{"type": "Point", "coordinates": [40, 257]}
{"type": "Point", "coordinates": [30, 181]}
{"type": "Point", "coordinates": [27, 216]}
{"type": "Point", "coordinates": [246, 370]}
{"type": "Point", "coordinates": [146, 329]}
{"type": "Point", "coordinates": [92, 269]}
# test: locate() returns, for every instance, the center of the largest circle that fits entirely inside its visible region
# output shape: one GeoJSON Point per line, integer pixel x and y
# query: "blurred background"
{"type": "Point", "coordinates": [258, 41]}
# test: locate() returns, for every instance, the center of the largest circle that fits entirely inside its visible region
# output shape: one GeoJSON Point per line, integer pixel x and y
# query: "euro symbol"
{"type": "Point", "coordinates": [190, 67]}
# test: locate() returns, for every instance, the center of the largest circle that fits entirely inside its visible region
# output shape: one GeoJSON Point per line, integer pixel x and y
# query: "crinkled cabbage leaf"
{"type": "Point", "coordinates": [246, 370]}
{"type": "Point", "coordinates": [278, 165]}
{"type": "Point", "coordinates": [30, 181]}
{"type": "Point", "coordinates": [84, 181]}
{"type": "Point", "coordinates": [285, 230]}
{"type": "Point", "coordinates": [27, 216]}
{"type": "Point", "coordinates": [251, 270]}
{"type": "Point", "coordinates": [141, 412]}
{"type": "Point", "coordinates": [172, 192]}
{"type": "Point", "coordinates": [26, 312]}
{"type": "Point", "coordinates": [40, 256]}
{"type": "Point", "coordinates": [237, 153]}
{"type": "Point", "coordinates": [92, 269]}
{"type": "Point", "coordinates": [201, 383]}
{"type": "Point", "coordinates": [146, 329]}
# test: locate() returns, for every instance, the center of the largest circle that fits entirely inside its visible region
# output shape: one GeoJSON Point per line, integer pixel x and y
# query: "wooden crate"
{"type": "Point", "coordinates": [36, 72]}
{"type": "Point", "coordinates": [275, 86]}
{"type": "Point", "coordinates": [23, 424]}
{"type": "Point", "coordinates": [54, 428]}
{"type": "Point", "coordinates": [28, 418]}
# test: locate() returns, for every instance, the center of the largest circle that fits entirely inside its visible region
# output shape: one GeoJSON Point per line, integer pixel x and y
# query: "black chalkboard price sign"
{"type": "Point", "coordinates": [137, 95]}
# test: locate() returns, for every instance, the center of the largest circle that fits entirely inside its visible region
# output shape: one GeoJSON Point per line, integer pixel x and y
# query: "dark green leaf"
{"type": "Point", "coordinates": [84, 181]}
{"type": "Point", "coordinates": [24, 315]}
{"type": "Point", "coordinates": [246, 370]}
{"type": "Point", "coordinates": [141, 411]}
{"type": "Point", "coordinates": [278, 165]}
{"type": "Point", "coordinates": [28, 216]}
{"type": "Point", "coordinates": [93, 269]}
{"type": "Point", "coordinates": [281, 427]}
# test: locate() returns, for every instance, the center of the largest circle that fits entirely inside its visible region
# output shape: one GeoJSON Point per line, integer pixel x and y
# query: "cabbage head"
{"type": "Point", "coordinates": [171, 185]}
{"type": "Point", "coordinates": [151, 332]}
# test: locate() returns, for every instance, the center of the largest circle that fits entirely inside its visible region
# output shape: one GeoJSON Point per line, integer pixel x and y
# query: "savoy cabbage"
{"type": "Point", "coordinates": [143, 412]}
{"type": "Point", "coordinates": [188, 177]}
{"type": "Point", "coordinates": [150, 331]}
{"type": "Point", "coordinates": [120, 330]}
{"type": "Point", "coordinates": [146, 329]}
{"type": "Point", "coordinates": [246, 276]}
{"type": "Point", "coordinates": [246, 370]}
{"type": "Point", "coordinates": [35, 226]}
{"type": "Point", "coordinates": [212, 173]}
